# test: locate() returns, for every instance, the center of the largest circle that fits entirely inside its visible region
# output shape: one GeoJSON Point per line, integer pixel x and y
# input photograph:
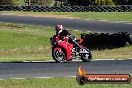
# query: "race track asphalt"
{"type": "Point", "coordinates": [53, 69]}
{"type": "Point", "coordinates": [78, 24]}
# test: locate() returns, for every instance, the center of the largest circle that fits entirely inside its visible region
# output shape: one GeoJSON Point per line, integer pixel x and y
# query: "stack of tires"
{"type": "Point", "coordinates": [68, 8]}
{"type": "Point", "coordinates": [106, 40]}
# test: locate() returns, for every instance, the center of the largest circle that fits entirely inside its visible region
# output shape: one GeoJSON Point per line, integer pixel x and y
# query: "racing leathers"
{"type": "Point", "coordinates": [72, 40]}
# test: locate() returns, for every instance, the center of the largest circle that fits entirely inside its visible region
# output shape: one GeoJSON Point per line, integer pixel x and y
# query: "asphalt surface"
{"type": "Point", "coordinates": [53, 69]}
{"type": "Point", "coordinates": [78, 24]}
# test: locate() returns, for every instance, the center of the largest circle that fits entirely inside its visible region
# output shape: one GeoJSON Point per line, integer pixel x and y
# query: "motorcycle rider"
{"type": "Point", "coordinates": [61, 32]}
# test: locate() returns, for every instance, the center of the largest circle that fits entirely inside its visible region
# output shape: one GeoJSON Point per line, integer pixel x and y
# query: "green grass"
{"type": "Point", "coordinates": [55, 83]}
{"type": "Point", "coordinates": [22, 42]}
{"type": "Point", "coordinates": [27, 42]}
{"type": "Point", "coordinates": [117, 53]}
{"type": "Point", "coordinates": [113, 16]}
{"type": "Point", "coordinates": [23, 36]}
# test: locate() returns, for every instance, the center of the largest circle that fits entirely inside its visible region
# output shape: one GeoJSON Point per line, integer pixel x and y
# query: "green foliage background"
{"type": "Point", "coordinates": [22, 2]}
{"type": "Point", "coordinates": [9, 2]}
{"type": "Point", "coordinates": [67, 2]}
{"type": "Point", "coordinates": [104, 2]}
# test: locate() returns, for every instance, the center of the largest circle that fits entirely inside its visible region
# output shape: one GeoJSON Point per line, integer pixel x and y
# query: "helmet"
{"type": "Point", "coordinates": [58, 28]}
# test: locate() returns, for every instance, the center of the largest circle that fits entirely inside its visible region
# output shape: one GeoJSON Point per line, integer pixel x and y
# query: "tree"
{"type": "Point", "coordinates": [80, 2]}
{"type": "Point", "coordinates": [104, 2]}
{"type": "Point", "coordinates": [123, 2]}
{"type": "Point", "coordinates": [129, 2]}
{"type": "Point", "coordinates": [109, 2]}
{"type": "Point", "coordinates": [8, 2]}
{"type": "Point", "coordinates": [41, 2]}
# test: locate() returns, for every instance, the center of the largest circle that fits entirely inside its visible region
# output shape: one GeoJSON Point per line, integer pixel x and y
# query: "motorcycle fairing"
{"type": "Point", "coordinates": [67, 48]}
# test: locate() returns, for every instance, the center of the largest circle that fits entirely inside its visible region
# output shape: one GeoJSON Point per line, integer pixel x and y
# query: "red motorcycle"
{"type": "Point", "coordinates": [63, 51]}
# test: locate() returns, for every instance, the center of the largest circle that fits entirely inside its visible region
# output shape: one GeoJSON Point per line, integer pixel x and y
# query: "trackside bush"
{"type": "Point", "coordinates": [106, 40]}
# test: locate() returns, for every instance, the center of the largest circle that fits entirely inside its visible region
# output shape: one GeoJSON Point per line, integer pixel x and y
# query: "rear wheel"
{"type": "Point", "coordinates": [86, 56]}
{"type": "Point", "coordinates": [59, 54]}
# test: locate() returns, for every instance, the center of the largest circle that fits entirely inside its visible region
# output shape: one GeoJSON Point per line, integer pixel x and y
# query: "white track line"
{"type": "Point", "coordinates": [76, 30]}
{"type": "Point", "coordinates": [87, 19]}
{"type": "Point", "coordinates": [92, 60]}
{"type": "Point", "coordinates": [71, 76]}
{"type": "Point", "coordinates": [76, 60]}
{"type": "Point", "coordinates": [128, 23]}
{"type": "Point", "coordinates": [17, 78]}
{"type": "Point", "coordinates": [43, 77]}
{"type": "Point", "coordinates": [39, 61]}
{"type": "Point", "coordinates": [111, 59]}
{"type": "Point", "coordinates": [121, 21]}
{"type": "Point", "coordinates": [103, 20]}
{"type": "Point", "coordinates": [38, 78]}
{"type": "Point", "coordinates": [34, 77]}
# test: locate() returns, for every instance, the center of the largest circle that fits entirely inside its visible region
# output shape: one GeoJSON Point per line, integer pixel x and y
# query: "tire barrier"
{"type": "Point", "coordinates": [106, 40]}
{"type": "Point", "coordinates": [68, 8]}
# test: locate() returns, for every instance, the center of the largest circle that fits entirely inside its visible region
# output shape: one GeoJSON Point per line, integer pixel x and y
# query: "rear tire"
{"type": "Point", "coordinates": [59, 57]}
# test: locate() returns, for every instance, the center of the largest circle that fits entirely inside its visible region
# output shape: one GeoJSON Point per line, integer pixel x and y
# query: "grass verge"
{"type": "Point", "coordinates": [27, 42]}
{"type": "Point", "coordinates": [55, 83]}
{"type": "Point", "coordinates": [112, 16]}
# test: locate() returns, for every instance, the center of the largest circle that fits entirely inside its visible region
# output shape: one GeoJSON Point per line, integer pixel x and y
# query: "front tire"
{"type": "Point", "coordinates": [59, 55]}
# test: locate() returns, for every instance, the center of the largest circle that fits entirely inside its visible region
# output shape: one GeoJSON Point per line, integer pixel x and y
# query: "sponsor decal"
{"type": "Point", "coordinates": [83, 78]}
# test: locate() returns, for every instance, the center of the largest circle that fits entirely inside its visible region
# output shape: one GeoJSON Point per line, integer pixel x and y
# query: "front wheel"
{"type": "Point", "coordinates": [86, 56]}
{"type": "Point", "coordinates": [59, 54]}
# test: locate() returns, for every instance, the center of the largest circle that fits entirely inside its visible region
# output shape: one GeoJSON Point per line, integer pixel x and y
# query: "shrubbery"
{"type": "Point", "coordinates": [41, 2]}
{"type": "Point", "coordinates": [23, 2]}
{"type": "Point", "coordinates": [8, 2]}
{"type": "Point", "coordinates": [106, 40]}
{"type": "Point", "coordinates": [104, 2]}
